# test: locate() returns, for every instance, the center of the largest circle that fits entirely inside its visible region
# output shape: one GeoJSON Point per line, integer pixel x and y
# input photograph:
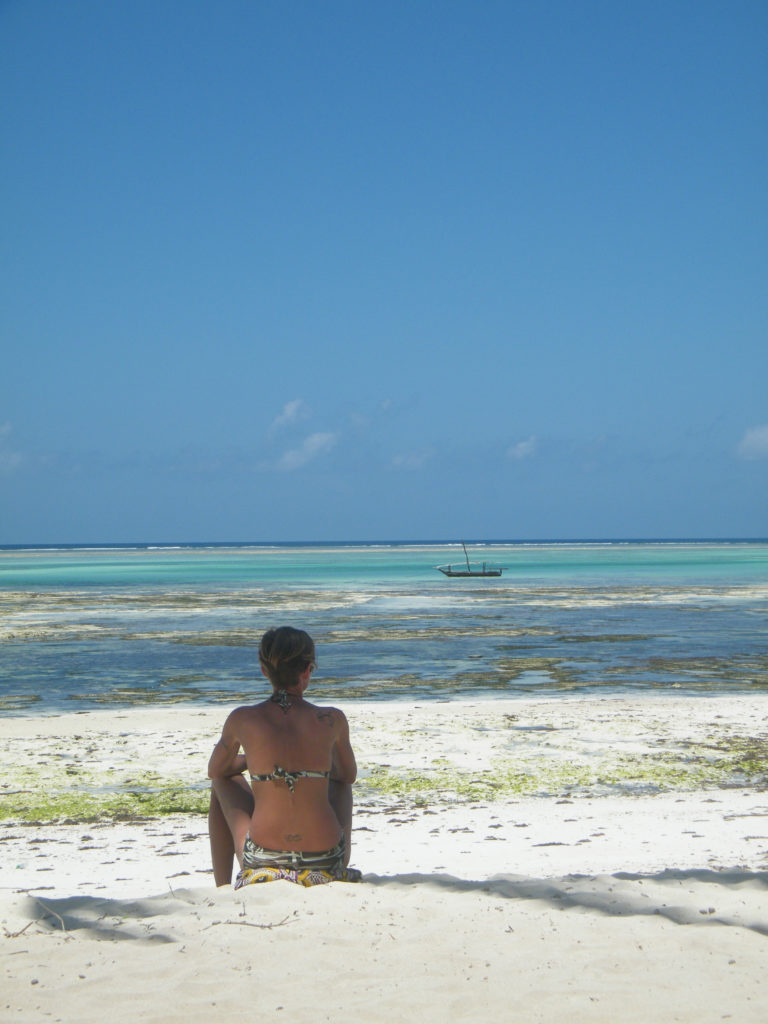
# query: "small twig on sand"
{"type": "Point", "coordinates": [15, 935]}
{"type": "Point", "coordinates": [52, 913]}
{"type": "Point", "coordinates": [252, 924]}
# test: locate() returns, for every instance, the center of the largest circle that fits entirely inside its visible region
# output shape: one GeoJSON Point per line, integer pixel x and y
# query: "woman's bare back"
{"type": "Point", "coordinates": [291, 809]}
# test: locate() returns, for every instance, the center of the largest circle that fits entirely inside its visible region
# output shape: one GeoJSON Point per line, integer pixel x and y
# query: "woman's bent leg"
{"type": "Point", "coordinates": [340, 799]}
{"type": "Point", "coordinates": [229, 818]}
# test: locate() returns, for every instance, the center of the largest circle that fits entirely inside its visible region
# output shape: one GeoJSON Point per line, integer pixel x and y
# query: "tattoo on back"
{"type": "Point", "coordinates": [325, 716]}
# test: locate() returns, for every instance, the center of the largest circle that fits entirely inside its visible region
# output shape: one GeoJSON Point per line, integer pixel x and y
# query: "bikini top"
{"type": "Point", "coordinates": [282, 774]}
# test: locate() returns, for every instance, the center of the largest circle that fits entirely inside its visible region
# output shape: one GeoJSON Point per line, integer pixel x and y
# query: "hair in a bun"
{"type": "Point", "coordinates": [285, 653]}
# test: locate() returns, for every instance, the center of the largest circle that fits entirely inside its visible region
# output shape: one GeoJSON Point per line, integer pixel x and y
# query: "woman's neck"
{"type": "Point", "coordinates": [285, 698]}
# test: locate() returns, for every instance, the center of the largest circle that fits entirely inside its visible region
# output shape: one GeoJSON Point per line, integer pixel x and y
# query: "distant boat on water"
{"type": "Point", "coordinates": [472, 568]}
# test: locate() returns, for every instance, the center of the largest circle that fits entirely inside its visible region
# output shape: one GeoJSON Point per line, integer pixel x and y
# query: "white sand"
{"type": "Point", "coordinates": [582, 906]}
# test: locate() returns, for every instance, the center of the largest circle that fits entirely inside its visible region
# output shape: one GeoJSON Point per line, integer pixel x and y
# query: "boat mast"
{"type": "Point", "coordinates": [466, 555]}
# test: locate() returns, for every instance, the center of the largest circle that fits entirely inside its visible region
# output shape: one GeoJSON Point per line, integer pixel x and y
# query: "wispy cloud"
{"type": "Point", "coordinates": [754, 444]}
{"type": "Point", "coordinates": [312, 447]}
{"type": "Point", "coordinates": [412, 460]}
{"type": "Point", "coordinates": [9, 459]}
{"type": "Point", "coordinates": [523, 449]}
{"type": "Point", "coordinates": [292, 412]}
{"type": "Point", "coordinates": [369, 416]}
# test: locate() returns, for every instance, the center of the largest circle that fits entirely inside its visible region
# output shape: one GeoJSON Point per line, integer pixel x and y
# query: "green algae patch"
{"type": "Point", "coordinates": [81, 789]}
{"type": "Point", "coordinates": [169, 692]}
{"type": "Point", "coordinates": [73, 807]}
{"type": "Point", "coordinates": [745, 756]}
{"type": "Point", "coordinates": [743, 762]}
{"type": "Point", "coordinates": [17, 701]}
{"type": "Point", "coordinates": [658, 773]}
{"type": "Point", "coordinates": [448, 782]}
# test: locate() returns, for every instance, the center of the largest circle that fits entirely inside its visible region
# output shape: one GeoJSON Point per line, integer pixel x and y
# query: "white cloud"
{"type": "Point", "coordinates": [523, 449]}
{"type": "Point", "coordinates": [754, 444]}
{"type": "Point", "coordinates": [310, 448]}
{"type": "Point", "coordinates": [292, 412]}
{"type": "Point", "coordinates": [9, 459]}
{"type": "Point", "coordinates": [412, 460]}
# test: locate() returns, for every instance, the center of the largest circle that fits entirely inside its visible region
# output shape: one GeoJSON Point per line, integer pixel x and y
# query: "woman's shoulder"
{"type": "Point", "coordinates": [334, 718]}
{"type": "Point", "coordinates": [326, 714]}
{"type": "Point", "coordinates": [246, 712]}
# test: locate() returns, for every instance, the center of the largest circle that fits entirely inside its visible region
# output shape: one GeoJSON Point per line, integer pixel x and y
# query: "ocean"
{"type": "Point", "coordinates": [88, 627]}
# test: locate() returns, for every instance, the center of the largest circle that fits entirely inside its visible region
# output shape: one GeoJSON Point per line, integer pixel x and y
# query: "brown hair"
{"type": "Point", "coordinates": [284, 653]}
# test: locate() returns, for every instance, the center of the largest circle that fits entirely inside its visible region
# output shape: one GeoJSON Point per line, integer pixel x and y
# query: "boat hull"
{"type": "Point", "coordinates": [448, 570]}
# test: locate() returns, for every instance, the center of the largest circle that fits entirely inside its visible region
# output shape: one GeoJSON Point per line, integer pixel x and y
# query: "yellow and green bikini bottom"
{"type": "Point", "coordinates": [299, 866]}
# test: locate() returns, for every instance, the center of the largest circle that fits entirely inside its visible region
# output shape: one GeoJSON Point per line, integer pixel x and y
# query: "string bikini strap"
{"type": "Point", "coordinates": [289, 778]}
{"type": "Point", "coordinates": [281, 697]}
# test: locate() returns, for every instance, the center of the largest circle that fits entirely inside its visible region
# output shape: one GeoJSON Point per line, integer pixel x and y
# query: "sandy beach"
{"type": "Point", "coordinates": [579, 858]}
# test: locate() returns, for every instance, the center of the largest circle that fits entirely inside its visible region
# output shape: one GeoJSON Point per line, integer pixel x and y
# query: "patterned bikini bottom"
{"type": "Point", "coordinates": [299, 866]}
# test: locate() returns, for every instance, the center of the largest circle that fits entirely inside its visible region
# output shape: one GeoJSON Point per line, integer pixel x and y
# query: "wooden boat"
{"type": "Point", "coordinates": [472, 568]}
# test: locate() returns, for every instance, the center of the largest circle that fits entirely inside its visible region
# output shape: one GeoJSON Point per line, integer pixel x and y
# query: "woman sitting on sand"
{"type": "Point", "coordinates": [302, 768]}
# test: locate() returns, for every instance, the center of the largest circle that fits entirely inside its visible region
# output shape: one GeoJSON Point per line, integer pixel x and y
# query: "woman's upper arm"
{"type": "Point", "coordinates": [225, 751]}
{"type": "Point", "coordinates": [344, 767]}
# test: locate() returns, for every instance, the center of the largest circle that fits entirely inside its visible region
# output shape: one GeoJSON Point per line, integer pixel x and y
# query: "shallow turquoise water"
{"type": "Point", "coordinates": [120, 626]}
{"type": "Point", "coordinates": [380, 564]}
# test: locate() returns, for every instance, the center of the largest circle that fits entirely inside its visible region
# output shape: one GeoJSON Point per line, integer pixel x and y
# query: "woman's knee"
{"type": "Point", "coordinates": [233, 795]}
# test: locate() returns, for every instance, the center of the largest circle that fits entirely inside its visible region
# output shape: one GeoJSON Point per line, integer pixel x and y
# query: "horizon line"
{"type": "Point", "coordinates": [446, 542]}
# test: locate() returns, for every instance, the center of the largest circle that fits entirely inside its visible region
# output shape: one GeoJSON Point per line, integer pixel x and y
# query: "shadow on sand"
{"type": "Point", "coordinates": [733, 898]}
{"type": "Point", "coordinates": [684, 897]}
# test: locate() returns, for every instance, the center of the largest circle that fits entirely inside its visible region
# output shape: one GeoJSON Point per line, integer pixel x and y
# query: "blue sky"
{"type": "Point", "coordinates": [386, 270]}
